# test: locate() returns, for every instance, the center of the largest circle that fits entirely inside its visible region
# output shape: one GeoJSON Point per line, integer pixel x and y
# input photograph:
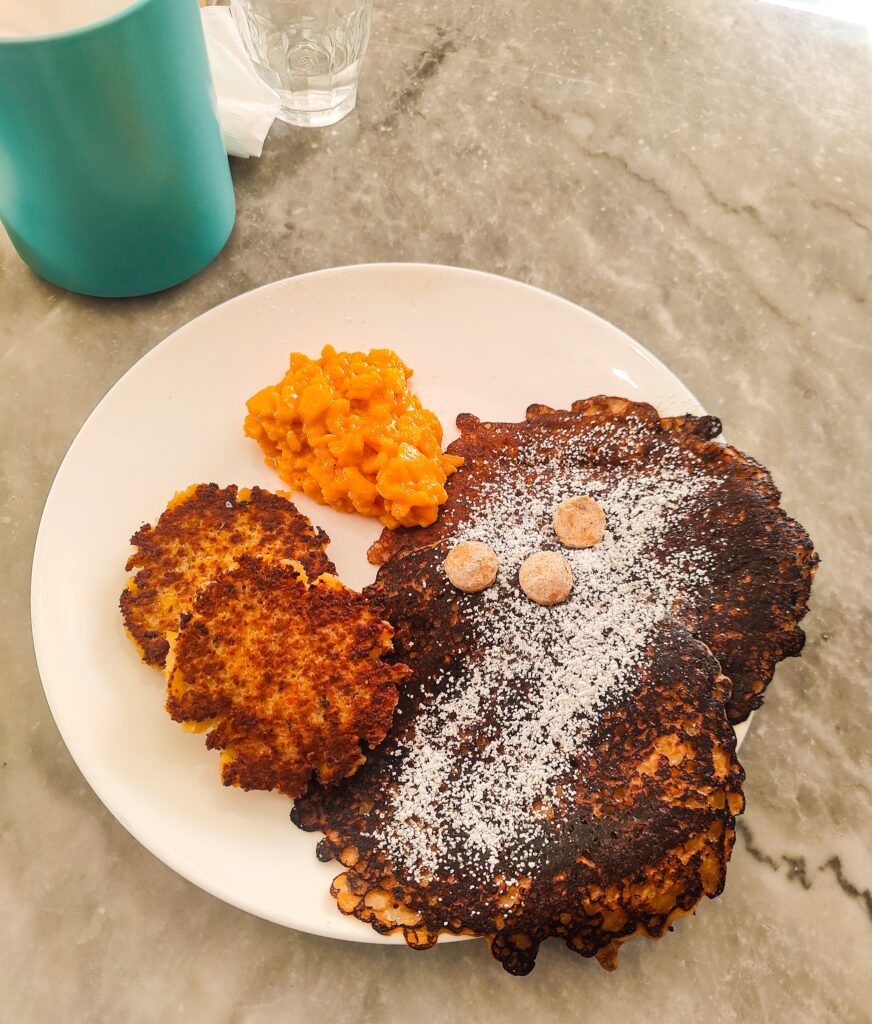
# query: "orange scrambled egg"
{"type": "Point", "coordinates": [346, 430]}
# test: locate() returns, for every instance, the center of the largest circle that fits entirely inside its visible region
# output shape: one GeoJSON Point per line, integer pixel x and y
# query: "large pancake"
{"type": "Point", "coordinates": [633, 827]}
{"type": "Point", "coordinates": [202, 532]}
{"type": "Point", "coordinates": [761, 562]}
{"type": "Point", "coordinates": [569, 771]}
{"type": "Point", "coordinates": [285, 674]}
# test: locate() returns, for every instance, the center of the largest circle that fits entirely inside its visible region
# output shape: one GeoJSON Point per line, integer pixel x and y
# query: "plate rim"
{"type": "Point", "coordinates": [367, 935]}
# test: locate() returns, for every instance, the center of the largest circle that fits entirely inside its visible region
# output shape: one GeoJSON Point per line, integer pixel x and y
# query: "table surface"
{"type": "Point", "coordinates": [697, 173]}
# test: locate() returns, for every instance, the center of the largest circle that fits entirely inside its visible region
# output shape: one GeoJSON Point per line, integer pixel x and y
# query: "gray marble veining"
{"type": "Point", "coordinates": [698, 173]}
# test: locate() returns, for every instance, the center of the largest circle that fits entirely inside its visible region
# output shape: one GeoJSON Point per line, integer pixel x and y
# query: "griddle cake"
{"type": "Point", "coordinates": [762, 561]}
{"type": "Point", "coordinates": [203, 531]}
{"type": "Point", "coordinates": [569, 771]}
{"type": "Point", "coordinates": [634, 830]}
{"type": "Point", "coordinates": [286, 674]}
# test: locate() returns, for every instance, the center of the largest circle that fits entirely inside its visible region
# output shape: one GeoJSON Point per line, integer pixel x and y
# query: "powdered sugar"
{"type": "Point", "coordinates": [540, 676]}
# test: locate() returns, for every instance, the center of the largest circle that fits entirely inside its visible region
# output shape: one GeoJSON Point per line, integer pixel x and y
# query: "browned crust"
{"type": "Point", "coordinates": [203, 530]}
{"type": "Point", "coordinates": [287, 676]}
{"type": "Point", "coordinates": [654, 823]}
{"type": "Point", "coordinates": [751, 613]}
{"type": "Point", "coordinates": [648, 836]}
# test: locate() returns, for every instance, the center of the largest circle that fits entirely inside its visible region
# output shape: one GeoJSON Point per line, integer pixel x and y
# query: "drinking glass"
{"type": "Point", "coordinates": [309, 51]}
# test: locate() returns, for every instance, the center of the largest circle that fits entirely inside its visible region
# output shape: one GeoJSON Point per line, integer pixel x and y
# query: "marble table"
{"type": "Point", "coordinates": [698, 173]}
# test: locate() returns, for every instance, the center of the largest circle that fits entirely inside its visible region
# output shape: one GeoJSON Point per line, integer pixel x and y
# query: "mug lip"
{"type": "Point", "coordinates": [77, 31]}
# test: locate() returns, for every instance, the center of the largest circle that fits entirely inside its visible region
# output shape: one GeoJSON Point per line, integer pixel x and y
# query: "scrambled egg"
{"type": "Point", "coordinates": [345, 430]}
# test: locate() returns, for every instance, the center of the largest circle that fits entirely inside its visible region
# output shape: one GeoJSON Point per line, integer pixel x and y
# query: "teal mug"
{"type": "Point", "coordinates": [114, 180]}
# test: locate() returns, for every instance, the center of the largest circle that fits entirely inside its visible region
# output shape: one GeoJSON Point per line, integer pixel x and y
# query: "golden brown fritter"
{"type": "Point", "coordinates": [569, 771]}
{"type": "Point", "coordinates": [287, 676]}
{"type": "Point", "coordinates": [204, 529]}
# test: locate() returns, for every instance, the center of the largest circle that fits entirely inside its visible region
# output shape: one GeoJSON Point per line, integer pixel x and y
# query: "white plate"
{"type": "Point", "coordinates": [476, 342]}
